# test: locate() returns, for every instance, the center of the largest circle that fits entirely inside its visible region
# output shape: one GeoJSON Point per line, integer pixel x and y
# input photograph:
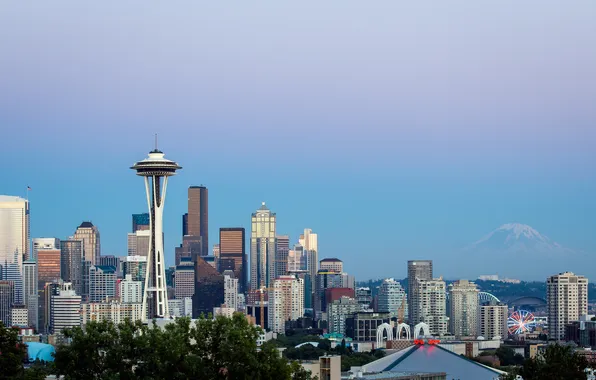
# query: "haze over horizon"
{"type": "Point", "coordinates": [395, 131]}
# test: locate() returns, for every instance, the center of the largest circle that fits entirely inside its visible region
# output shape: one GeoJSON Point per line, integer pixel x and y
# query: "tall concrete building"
{"type": "Point", "coordinates": [332, 264]}
{"type": "Point", "coordinates": [281, 255]}
{"type": "Point", "coordinates": [14, 241]}
{"type": "Point", "coordinates": [262, 248]}
{"type": "Point", "coordinates": [286, 302]}
{"type": "Point", "coordinates": [232, 254]}
{"type": "Point", "coordinates": [463, 309]}
{"type": "Point", "coordinates": [309, 241]}
{"type": "Point", "coordinates": [71, 263]}
{"type": "Point", "coordinates": [6, 300]}
{"type": "Point", "coordinates": [65, 309]}
{"type": "Point", "coordinates": [294, 260]}
{"type": "Point", "coordinates": [30, 292]}
{"type": "Point", "coordinates": [492, 321]}
{"type": "Point", "coordinates": [184, 279]}
{"type": "Point", "coordinates": [140, 222]}
{"type": "Point", "coordinates": [417, 270]}
{"type": "Point", "coordinates": [364, 298]}
{"type": "Point", "coordinates": [431, 305]}
{"type": "Point", "coordinates": [393, 299]}
{"type": "Point", "coordinates": [102, 283]}
{"type": "Point", "coordinates": [339, 311]}
{"type": "Point", "coordinates": [131, 291]}
{"type": "Point", "coordinates": [567, 300]}
{"type": "Point", "coordinates": [198, 216]}
{"type": "Point", "coordinates": [43, 243]}
{"type": "Point", "coordinates": [230, 290]}
{"type": "Point", "coordinates": [139, 243]}
{"type": "Point", "coordinates": [89, 235]}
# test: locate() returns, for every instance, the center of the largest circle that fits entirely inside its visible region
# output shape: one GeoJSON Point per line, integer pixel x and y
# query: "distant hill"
{"type": "Point", "coordinates": [503, 291]}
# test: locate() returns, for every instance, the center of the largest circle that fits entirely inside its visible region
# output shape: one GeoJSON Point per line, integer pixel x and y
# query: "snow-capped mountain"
{"type": "Point", "coordinates": [516, 237]}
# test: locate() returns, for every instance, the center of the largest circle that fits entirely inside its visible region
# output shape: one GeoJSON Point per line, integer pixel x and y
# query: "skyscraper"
{"type": "Point", "coordinates": [14, 241]}
{"type": "Point", "coordinates": [567, 300]}
{"type": "Point", "coordinates": [140, 222]}
{"type": "Point", "coordinates": [6, 300]}
{"type": "Point", "coordinates": [131, 291]}
{"type": "Point", "coordinates": [138, 243]}
{"type": "Point", "coordinates": [156, 168]}
{"type": "Point", "coordinates": [232, 254]}
{"type": "Point", "coordinates": [89, 235]}
{"type": "Point", "coordinates": [65, 309]}
{"type": "Point", "coordinates": [30, 292]}
{"type": "Point", "coordinates": [392, 299]}
{"type": "Point", "coordinates": [71, 263]}
{"type": "Point", "coordinates": [286, 302]}
{"type": "Point", "coordinates": [102, 283]}
{"type": "Point", "coordinates": [431, 305]}
{"type": "Point", "coordinates": [309, 241]}
{"type": "Point", "coordinates": [198, 216]}
{"type": "Point", "coordinates": [281, 255]}
{"type": "Point", "coordinates": [417, 270]}
{"type": "Point", "coordinates": [43, 243]}
{"type": "Point", "coordinates": [209, 288]}
{"type": "Point", "coordinates": [463, 309]}
{"type": "Point", "coordinates": [184, 279]}
{"type": "Point", "coordinates": [230, 290]}
{"type": "Point", "coordinates": [48, 272]}
{"type": "Point", "coordinates": [332, 265]}
{"type": "Point", "coordinates": [262, 248]}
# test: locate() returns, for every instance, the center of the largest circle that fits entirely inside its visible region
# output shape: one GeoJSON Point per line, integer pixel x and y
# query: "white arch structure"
{"type": "Point", "coordinates": [382, 328]}
{"type": "Point", "coordinates": [425, 330]}
{"type": "Point", "coordinates": [403, 327]}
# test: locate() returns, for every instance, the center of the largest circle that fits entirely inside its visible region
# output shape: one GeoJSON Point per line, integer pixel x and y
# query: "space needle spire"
{"type": "Point", "coordinates": [156, 169]}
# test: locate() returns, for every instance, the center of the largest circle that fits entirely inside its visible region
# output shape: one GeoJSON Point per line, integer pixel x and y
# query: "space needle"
{"type": "Point", "coordinates": [156, 169]}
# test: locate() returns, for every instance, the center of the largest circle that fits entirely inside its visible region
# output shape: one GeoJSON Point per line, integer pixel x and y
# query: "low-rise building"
{"type": "Point", "coordinates": [114, 311]}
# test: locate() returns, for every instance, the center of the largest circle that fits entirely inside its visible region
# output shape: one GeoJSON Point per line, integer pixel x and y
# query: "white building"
{"type": "Point", "coordinates": [463, 309]}
{"type": "Point", "coordinates": [340, 310]}
{"type": "Point", "coordinates": [43, 243]}
{"type": "Point", "coordinates": [114, 311]}
{"type": "Point", "coordinates": [30, 292]}
{"type": "Point", "coordinates": [19, 316]}
{"type": "Point", "coordinates": [180, 308]}
{"type": "Point", "coordinates": [66, 307]}
{"type": "Point", "coordinates": [227, 312]}
{"type": "Point", "coordinates": [262, 248]}
{"type": "Point", "coordinates": [432, 305]}
{"type": "Point", "coordinates": [286, 302]}
{"type": "Point", "coordinates": [567, 300]}
{"type": "Point", "coordinates": [14, 240]}
{"type": "Point", "coordinates": [230, 290]}
{"type": "Point", "coordinates": [492, 321]}
{"type": "Point", "coordinates": [131, 291]}
{"type": "Point", "coordinates": [392, 298]}
{"type": "Point", "coordinates": [309, 242]}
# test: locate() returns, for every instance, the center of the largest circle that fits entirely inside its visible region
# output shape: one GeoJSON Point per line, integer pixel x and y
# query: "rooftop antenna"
{"type": "Point", "coordinates": [156, 141]}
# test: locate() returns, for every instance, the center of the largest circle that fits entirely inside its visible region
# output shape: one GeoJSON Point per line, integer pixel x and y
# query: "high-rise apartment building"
{"type": "Point", "coordinates": [567, 300]}
{"type": "Point", "coordinates": [138, 243]}
{"type": "Point", "coordinates": [281, 255]}
{"type": "Point", "coordinates": [65, 309]}
{"type": "Point", "coordinates": [184, 279]}
{"type": "Point", "coordinates": [364, 298]}
{"type": "Point", "coordinates": [392, 299]}
{"type": "Point", "coordinates": [230, 290]}
{"type": "Point", "coordinates": [262, 248]}
{"type": "Point", "coordinates": [6, 300]}
{"type": "Point", "coordinates": [89, 235]}
{"type": "Point", "coordinates": [30, 292]}
{"type": "Point", "coordinates": [339, 311]}
{"type": "Point", "coordinates": [286, 302]}
{"type": "Point", "coordinates": [102, 283]}
{"type": "Point", "coordinates": [43, 243]}
{"type": "Point", "coordinates": [131, 291]}
{"type": "Point", "coordinates": [463, 309]}
{"type": "Point", "coordinates": [309, 241]}
{"type": "Point", "coordinates": [492, 321]}
{"type": "Point", "coordinates": [197, 221]}
{"type": "Point", "coordinates": [71, 263]}
{"type": "Point", "coordinates": [432, 305]}
{"type": "Point", "coordinates": [140, 222]}
{"type": "Point", "coordinates": [332, 264]}
{"type": "Point", "coordinates": [417, 270]}
{"type": "Point", "coordinates": [232, 254]}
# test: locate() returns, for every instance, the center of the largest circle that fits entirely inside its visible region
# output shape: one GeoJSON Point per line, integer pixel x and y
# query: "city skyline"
{"type": "Point", "coordinates": [442, 124]}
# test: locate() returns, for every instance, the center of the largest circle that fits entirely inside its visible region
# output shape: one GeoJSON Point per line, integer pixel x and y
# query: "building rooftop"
{"type": "Point", "coordinates": [11, 198]}
{"type": "Point", "coordinates": [332, 259]}
{"type": "Point", "coordinates": [86, 225]}
{"type": "Point", "coordinates": [106, 268]}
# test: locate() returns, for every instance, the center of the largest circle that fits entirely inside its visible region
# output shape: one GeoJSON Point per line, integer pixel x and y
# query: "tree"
{"type": "Point", "coordinates": [223, 348]}
{"type": "Point", "coordinates": [558, 362]}
{"type": "Point", "coordinates": [12, 353]}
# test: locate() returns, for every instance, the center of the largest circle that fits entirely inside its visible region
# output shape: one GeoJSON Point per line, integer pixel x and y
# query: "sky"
{"type": "Point", "coordinates": [395, 130]}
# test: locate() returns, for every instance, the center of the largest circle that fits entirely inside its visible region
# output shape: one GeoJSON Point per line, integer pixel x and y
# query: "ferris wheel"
{"type": "Point", "coordinates": [521, 321]}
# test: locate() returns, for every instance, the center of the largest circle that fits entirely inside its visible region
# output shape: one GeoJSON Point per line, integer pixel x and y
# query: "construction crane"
{"type": "Point", "coordinates": [262, 290]}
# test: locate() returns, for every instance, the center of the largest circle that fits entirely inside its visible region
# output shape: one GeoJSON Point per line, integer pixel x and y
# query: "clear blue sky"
{"type": "Point", "coordinates": [393, 129]}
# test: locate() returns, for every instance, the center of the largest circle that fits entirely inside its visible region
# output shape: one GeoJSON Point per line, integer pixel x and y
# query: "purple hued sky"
{"type": "Point", "coordinates": [395, 130]}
